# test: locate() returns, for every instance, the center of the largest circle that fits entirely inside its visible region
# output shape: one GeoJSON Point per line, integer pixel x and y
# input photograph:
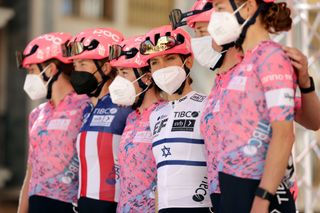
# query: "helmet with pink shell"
{"type": "Point", "coordinates": [200, 17]}
{"type": "Point", "coordinates": [93, 43]}
{"type": "Point", "coordinates": [181, 43]}
{"type": "Point", "coordinates": [129, 55]}
{"type": "Point", "coordinates": [44, 47]}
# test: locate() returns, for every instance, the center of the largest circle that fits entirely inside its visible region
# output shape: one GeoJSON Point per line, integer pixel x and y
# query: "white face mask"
{"type": "Point", "coordinates": [224, 27]}
{"type": "Point", "coordinates": [169, 79]}
{"type": "Point", "coordinates": [203, 51]}
{"type": "Point", "coordinates": [35, 87]}
{"type": "Point", "coordinates": [122, 91]}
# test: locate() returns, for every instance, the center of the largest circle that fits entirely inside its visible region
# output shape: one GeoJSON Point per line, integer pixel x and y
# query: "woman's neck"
{"type": "Point", "coordinates": [60, 89]}
{"type": "Point", "coordinates": [255, 34]}
{"type": "Point", "coordinates": [232, 58]}
{"type": "Point", "coordinates": [187, 88]}
{"type": "Point", "coordinates": [150, 98]}
{"type": "Point", "coordinates": [104, 91]}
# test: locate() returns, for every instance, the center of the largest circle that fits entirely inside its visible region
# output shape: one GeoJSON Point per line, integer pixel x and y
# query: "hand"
{"type": "Point", "coordinates": [300, 65]}
{"type": "Point", "coordinates": [260, 205]}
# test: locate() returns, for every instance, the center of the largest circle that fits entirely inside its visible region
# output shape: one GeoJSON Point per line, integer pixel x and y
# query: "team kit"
{"type": "Point", "coordinates": [123, 131]}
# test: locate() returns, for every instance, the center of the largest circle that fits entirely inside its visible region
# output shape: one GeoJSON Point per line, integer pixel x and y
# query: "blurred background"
{"type": "Point", "coordinates": [22, 20]}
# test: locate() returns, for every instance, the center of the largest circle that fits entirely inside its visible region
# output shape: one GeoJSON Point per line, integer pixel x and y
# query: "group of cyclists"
{"type": "Point", "coordinates": [122, 130]}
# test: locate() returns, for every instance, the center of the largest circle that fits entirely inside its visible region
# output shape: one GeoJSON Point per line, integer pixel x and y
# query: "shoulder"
{"type": "Point", "coordinates": [36, 111]}
{"type": "Point", "coordinates": [131, 117]}
{"type": "Point", "coordinates": [269, 56]}
{"type": "Point", "coordinates": [75, 102]}
{"type": "Point", "coordinates": [269, 49]}
{"type": "Point", "coordinates": [160, 106]}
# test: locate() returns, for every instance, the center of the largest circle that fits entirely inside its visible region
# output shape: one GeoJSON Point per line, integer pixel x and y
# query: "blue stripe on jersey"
{"type": "Point", "coordinates": [177, 140]}
{"type": "Point", "coordinates": [181, 162]}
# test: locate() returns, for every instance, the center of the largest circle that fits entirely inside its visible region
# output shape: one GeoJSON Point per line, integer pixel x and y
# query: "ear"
{"type": "Point", "coordinates": [147, 79]}
{"type": "Point", "coordinates": [106, 68]}
{"type": "Point", "coordinates": [189, 61]}
{"type": "Point", "coordinates": [251, 8]}
{"type": "Point", "coordinates": [52, 69]}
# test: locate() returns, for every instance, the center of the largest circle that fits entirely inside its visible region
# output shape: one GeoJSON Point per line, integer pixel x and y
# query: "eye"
{"type": "Point", "coordinates": [171, 58]}
{"type": "Point", "coordinates": [153, 62]}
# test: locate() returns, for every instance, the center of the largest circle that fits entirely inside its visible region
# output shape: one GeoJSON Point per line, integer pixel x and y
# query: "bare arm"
{"type": "Point", "coordinates": [308, 115]}
{"type": "Point", "coordinates": [276, 162]}
{"type": "Point", "coordinates": [24, 197]}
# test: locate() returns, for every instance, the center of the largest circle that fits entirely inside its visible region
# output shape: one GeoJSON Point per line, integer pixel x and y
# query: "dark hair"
{"type": "Point", "coordinates": [274, 16]}
{"type": "Point", "coordinates": [154, 85]}
{"type": "Point", "coordinates": [64, 68]}
{"type": "Point", "coordinates": [113, 72]}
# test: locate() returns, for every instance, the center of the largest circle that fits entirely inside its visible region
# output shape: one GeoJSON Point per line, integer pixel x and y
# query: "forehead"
{"type": "Point", "coordinates": [82, 61]}
{"type": "Point", "coordinates": [124, 69]}
{"type": "Point", "coordinates": [217, 2]}
{"type": "Point", "coordinates": [163, 56]}
{"type": "Point", "coordinates": [200, 25]}
{"type": "Point", "coordinates": [32, 67]}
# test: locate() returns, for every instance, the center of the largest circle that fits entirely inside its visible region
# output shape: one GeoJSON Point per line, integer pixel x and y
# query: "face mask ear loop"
{"type": "Point", "coordinates": [139, 78]}
{"type": "Point", "coordinates": [49, 79]}
{"type": "Point", "coordinates": [182, 66]}
{"type": "Point", "coordinates": [239, 8]}
{"type": "Point", "coordinates": [143, 91]}
{"type": "Point", "coordinates": [237, 11]}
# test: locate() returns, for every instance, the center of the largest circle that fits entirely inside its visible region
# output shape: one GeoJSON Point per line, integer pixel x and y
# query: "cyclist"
{"type": "Point", "coordinates": [134, 87]}
{"type": "Point", "coordinates": [260, 125]}
{"type": "Point", "coordinates": [103, 121]}
{"type": "Point", "coordinates": [51, 181]}
{"type": "Point", "coordinates": [177, 144]}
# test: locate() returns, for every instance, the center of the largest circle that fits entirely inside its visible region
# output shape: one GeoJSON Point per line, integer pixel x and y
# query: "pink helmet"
{"type": "Point", "coordinates": [43, 48]}
{"type": "Point", "coordinates": [93, 43]}
{"type": "Point", "coordinates": [201, 17]}
{"type": "Point", "coordinates": [126, 53]}
{"type": "Point", "coordinates": [171, 42]}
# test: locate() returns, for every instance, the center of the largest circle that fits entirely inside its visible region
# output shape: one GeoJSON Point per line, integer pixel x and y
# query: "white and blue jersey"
{"type": "Point", "coordinates": [179, 152]}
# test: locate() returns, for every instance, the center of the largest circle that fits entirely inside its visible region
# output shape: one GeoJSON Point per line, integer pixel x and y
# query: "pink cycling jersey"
{"type": "Point", "coordinates": [236, 123]}
{"type": "Point", "coordinates": [52, 151]}
{"type": "Point", "coordinates": [138, 168]}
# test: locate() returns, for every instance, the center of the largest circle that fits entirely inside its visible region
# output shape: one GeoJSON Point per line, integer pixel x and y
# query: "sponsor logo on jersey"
{"type": "Point", "coordinates": [183, 125]}
{"type": "Point", "coordinates": [105, 111]}
{"type": "Point", "coordinates": [102, 120]}
{"type": "Point", "coordinates": [182, 99]}
{"type": "Point", "coordinates": [260, 135]}
{"type": "Point", "coordinates": [161, 123]}
{"type": "Point", "coordinates": [186, 114]}
{"type": "Point", "coordinates": [201, 191]}
{"type": "Point", "coordinates": [198, 98]}
{"type": "Point", "coordinates": [71, 172]}
{"type": "Point", "coordinates": [59, 124]}
{"type": "Point", "coordinates": [238, 83]}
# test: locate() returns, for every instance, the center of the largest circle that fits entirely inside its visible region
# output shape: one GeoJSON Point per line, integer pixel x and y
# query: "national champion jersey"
{"type": "Point", "coordinates": [52, 148]}
{"type": "Point", "coordinates": [179, 152]}
{"type": "Point", "coordinates": [97, 146]}
{"type": "Point", "coordinates": [138, 168]}
{"type": "Point", "coordinates": [236, 122]}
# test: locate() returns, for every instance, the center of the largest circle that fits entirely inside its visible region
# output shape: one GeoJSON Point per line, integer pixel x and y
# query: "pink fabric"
{"type": "Point", "coordinates": [137, 165]}
{"type": "Point", "coordinates": [52, 151]}
{"type": "Point", "coordinates": [236, 123]}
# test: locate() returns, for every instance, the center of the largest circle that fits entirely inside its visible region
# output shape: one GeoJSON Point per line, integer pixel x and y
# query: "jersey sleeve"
{"type": "Point", "coordinates": [278, 81]}
{"type": "Point", "coordinates": [297, 100]}
{"type": "Point", "coordinates": [32, 118]}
